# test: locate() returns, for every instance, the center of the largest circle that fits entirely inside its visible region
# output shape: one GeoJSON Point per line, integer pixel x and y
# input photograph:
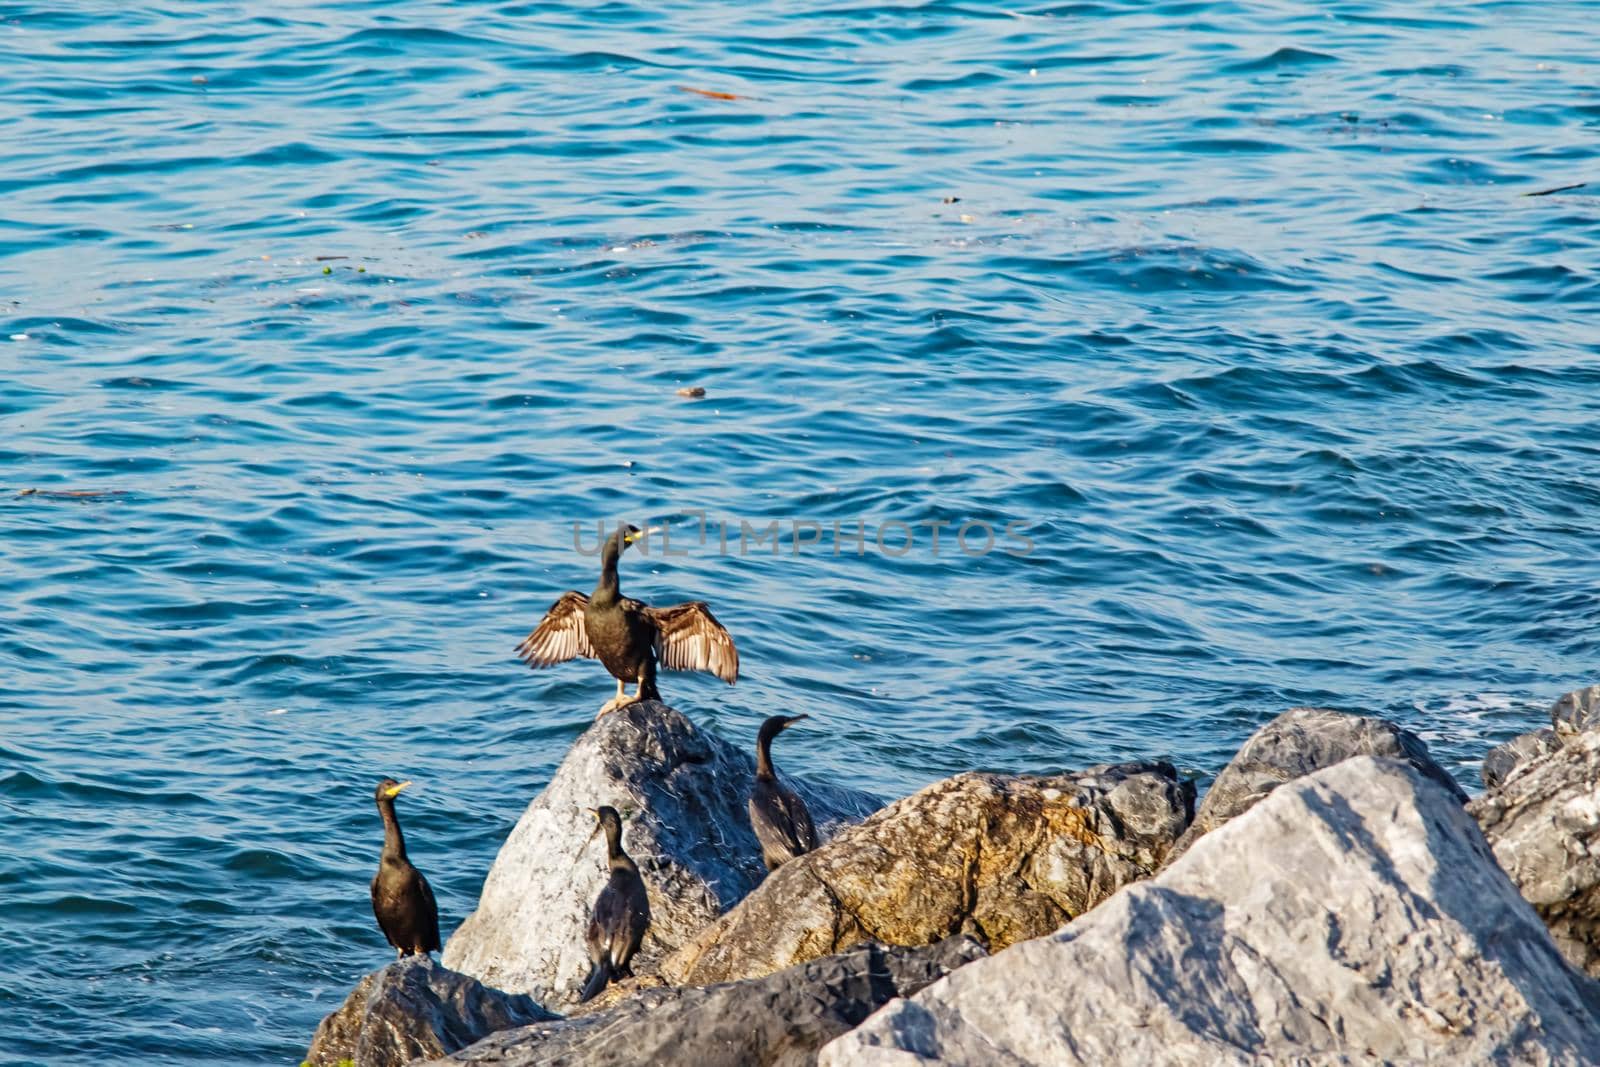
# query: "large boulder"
{"type": "Point", "coordinates": [1577, 712]}
{"type": "Point", "coordinates": [415, 1009]}
{"type": "Point", "coordinates": [1001, 857]}
{"type": "Point", "coordinates": [1353, 916]}
{"type": "Point", "coordinates": [1543, 823]}
{"type": "Point", "coordinates": [777, 1021]}
{"type": "Point", "coordinates": [683, 795]}
{"type": "Point", "coordinates": [1299, 742]}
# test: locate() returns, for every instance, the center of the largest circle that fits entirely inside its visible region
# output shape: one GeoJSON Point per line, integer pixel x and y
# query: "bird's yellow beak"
{"type": "Point", "coordinates": [630, 538]}
{"type": "Point", "coordinates": [394, 790]}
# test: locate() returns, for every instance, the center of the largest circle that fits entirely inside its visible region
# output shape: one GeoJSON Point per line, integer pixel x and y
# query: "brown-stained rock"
{"type": "Point", "coordinates": [1001, 857]}
{"type": "Point", "coordinates": [415, 1009]}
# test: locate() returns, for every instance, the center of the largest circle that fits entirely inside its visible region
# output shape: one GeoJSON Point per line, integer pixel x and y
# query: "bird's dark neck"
{"type": "Point", "coordinates": [608, 588]}
{"type": "Point", "coordinates": [394, 842]}
{"type": "Point", "coordinates": [618, 859]}
{"type": "Point", "coordinates": [764, 756]}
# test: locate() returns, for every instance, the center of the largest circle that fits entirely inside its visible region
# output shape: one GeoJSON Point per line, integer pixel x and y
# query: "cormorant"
{"type": "Point", "coordinates": [777, 815]}
{"type": "Point", "coordinates": [629, 637]}
{"type": "Point", "coordinates": [402, 900]}
{"type": "Point", "coordinates": [621, 911]}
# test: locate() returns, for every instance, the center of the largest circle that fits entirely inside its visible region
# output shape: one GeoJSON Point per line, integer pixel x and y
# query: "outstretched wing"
{"type": "Point", "coordinates": [689, 638]}
{"type": "Point", "coordinates": [560, 635]}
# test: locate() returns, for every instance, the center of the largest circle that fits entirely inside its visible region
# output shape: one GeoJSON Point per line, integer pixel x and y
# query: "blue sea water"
{"type": "Point", "coordinates": [322, 324]}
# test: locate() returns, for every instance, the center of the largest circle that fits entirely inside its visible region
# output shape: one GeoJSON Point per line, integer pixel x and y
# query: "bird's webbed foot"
{"type": "Point", "coordinates": [614, 703]}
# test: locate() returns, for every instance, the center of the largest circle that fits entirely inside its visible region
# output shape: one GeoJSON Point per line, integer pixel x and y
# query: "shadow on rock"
{"type": "Point", "coordinates": [776, 1021]}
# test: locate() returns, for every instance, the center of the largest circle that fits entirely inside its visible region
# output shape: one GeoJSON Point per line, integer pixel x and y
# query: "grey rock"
{"type": "Point", "coordinates": [777, 1021]}
{"type": "Point", "coordinates": [1576, 712]}
{"type": "Point", "coordinates": [1543, 823]}
{"type": "Point", "coordinates": [1570, 717]}
{"type": "Point", "coordinates": [1504, 760]}
{"type": "Point", "coordinates": [689, 832]}
{"type": "Point", "coordinates": [1302, 741]}
{"type": "Point", "coordinates": [412, 1009]}
{"type": "Point", "coordinates": [1353, 916]}
{"type": "Point", "coordinates": [1002, 857]}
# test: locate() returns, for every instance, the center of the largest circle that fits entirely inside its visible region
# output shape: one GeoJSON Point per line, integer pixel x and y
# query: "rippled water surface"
{"type": "Point", "coordinates": [323, 322]}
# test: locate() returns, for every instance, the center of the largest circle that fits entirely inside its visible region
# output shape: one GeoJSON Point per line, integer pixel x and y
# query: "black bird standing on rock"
{"type": "Point", "coordinates": [629, 637]}
{"type": "Point", "coordinates": [621, 911]}
{"type": "Point", "coordinates": [402, 900]}
{"type": "Point", "coordinates": [777, 815]}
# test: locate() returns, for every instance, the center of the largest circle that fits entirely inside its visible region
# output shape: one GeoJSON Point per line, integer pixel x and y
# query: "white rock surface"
{"type": "Point", "coordinates": [1571, 718]}
{"type": "Point", "coordinates": [1543, 822]}
{"type": "Point", "coordinates": [1299, 742]}
{"type": "Point", "coordinates": [682, 792]}
{"type": "Point", "coordinates": [1353, 916]}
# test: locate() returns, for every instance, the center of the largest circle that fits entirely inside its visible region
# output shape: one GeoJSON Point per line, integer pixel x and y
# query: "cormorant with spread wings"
{"type": "Point", "coordinates": [628, 637]}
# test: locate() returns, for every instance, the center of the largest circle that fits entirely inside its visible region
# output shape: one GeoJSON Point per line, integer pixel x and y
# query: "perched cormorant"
{"type": "Point", "coordinates": [629, 637]}
{"type": "Point", "coordinates": [777, 815]}
{"type": "Point", "coordinates": [621, 911]}
{"type": "Point", "coordinates": [401, 898]}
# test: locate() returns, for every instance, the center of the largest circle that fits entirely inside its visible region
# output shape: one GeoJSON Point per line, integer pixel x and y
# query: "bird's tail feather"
{"type": "Point", "coordinates": [598, 977]}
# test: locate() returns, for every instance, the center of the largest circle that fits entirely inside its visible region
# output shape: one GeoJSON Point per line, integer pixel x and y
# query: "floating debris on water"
{"type": "Point", "coordinates": [712, 94]}
{"type": "Point", "coordinates": [1558, 189]}
{"type": "Point", "coordinates": [73, 494]}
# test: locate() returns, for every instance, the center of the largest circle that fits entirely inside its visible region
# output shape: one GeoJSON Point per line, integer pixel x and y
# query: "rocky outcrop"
{"type": "Point", "coordinates": [1002, 857]}
{"type": "Point", "coordinates": [777, 1021]}
{"type": "Point", "coordinates": [1503, 760]}
{"type": "Point", "coordinates": [1543, 823]}
{"type": "Point", "coordinates": [1541, 814]}
{"type": "Point", "coordinates": [1570, 717]}
{"type": "Point", "coordinates": [1577, 712]}
{"type": "Point", "coordinates": [1353, 916]}
{"type": "Point", "coordinates": [1299, 742]}
{"type": "Point", "coordinates": [682, 792]}
{"type": "Point", "coordinates": [415, 1009]}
